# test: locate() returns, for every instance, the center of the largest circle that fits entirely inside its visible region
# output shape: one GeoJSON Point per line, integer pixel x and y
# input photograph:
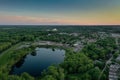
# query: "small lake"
{"type": "Point", "coordinates": [35, 63]}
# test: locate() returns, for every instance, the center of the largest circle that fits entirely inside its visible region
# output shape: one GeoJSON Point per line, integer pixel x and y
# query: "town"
{"type": "Point", "coordinates": [70, 53]}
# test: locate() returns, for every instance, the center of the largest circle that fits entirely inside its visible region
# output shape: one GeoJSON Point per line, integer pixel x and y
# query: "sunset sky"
{"type": "Point", "coordinates": [59, 12]}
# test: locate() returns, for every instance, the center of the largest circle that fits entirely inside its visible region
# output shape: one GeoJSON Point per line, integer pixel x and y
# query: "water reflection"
{"type": "Point", "coordinates": [39, 60]}
{"type": "Point", "coordinates": [34, 53]}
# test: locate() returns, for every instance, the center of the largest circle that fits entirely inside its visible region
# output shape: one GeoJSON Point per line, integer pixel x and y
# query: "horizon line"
{"type": "Point", "coordinates": [56, 25]}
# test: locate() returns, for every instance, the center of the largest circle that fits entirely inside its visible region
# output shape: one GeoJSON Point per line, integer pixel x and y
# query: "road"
{"type": "Point", "coordinates": [109, 61]}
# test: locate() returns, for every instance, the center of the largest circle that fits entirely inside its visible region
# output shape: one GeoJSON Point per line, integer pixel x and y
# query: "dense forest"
{"type": "Point", "coordinates": [88, 63]}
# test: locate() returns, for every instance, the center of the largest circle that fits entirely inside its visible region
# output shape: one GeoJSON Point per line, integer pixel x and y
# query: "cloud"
{"type": "Point", "coordinates": [7, 19]}
{"type": "Point", "coordinates": [98, 18]}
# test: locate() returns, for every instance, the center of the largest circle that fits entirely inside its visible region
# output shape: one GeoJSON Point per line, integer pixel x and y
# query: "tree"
{"type": "Point", "coordinates": [26, 76]}
{"type": "Point", "coordinates": [48, 77]}
{"type": "Point", "coordinates": [54, 72]}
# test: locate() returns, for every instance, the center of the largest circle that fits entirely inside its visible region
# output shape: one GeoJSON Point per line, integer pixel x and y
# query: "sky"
{"type": "Point", "coordinates": [59, 12]}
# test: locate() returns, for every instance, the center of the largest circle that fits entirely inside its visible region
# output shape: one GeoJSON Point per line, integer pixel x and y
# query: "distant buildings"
{"type": "Point", "coordinates": [113, 73]}
{"type": "Point", "coordinates": [54, 29]}
{"type": "Point", "coordinates": [74, 34]}
{"type": "Point", "coordinates": [114, 70]}
{"type": "Point", "coordinates": [115, 35]}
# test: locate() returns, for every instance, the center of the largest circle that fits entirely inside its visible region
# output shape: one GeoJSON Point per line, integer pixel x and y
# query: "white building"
{"type": "Point", "coordinates": [54, 29]}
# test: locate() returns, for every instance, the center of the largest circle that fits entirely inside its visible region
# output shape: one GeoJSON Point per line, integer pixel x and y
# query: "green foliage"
{"type": "Point", "coordinates": [55, 73]}
{"type": "Point", "coordinates": [77, 63]}
{"type": "Point", "coordinates": [101, 49]}
{"type": "Point", "coordinates": [95, 73]}
{"type": "Point", "coordinates": [26, 76]}
{"type": "Point", "coordinates": [48, 77]}
{"type": "Point", "coordinates": [84, 65]}
{"type": "Point", "coordinates": [4, 46]}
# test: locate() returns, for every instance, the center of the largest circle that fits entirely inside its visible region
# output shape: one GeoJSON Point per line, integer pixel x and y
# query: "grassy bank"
{"type": "Point", "coordinates": [11, 56]}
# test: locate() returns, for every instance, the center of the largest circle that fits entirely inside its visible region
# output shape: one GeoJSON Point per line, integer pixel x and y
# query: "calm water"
{"type": "Point", "coordinates": [35, 63]}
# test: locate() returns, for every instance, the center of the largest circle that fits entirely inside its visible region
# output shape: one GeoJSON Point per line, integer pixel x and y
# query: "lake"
{"type": "Point", "coordinates": [36, 62]}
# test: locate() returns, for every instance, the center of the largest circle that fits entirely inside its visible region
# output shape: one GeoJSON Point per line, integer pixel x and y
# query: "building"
{"type": "Point", "coordinates": [54, 29]}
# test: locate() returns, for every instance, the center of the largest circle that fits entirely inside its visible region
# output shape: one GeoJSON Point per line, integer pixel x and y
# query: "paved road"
{"type": "Point", "coordinates": [109, 61]}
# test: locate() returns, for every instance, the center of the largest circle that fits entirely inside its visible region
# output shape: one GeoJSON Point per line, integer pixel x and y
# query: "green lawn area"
{"type": "Point", "coordinates": [4, 57]}
{"type": "Point", "coordinates": [12, 55]}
